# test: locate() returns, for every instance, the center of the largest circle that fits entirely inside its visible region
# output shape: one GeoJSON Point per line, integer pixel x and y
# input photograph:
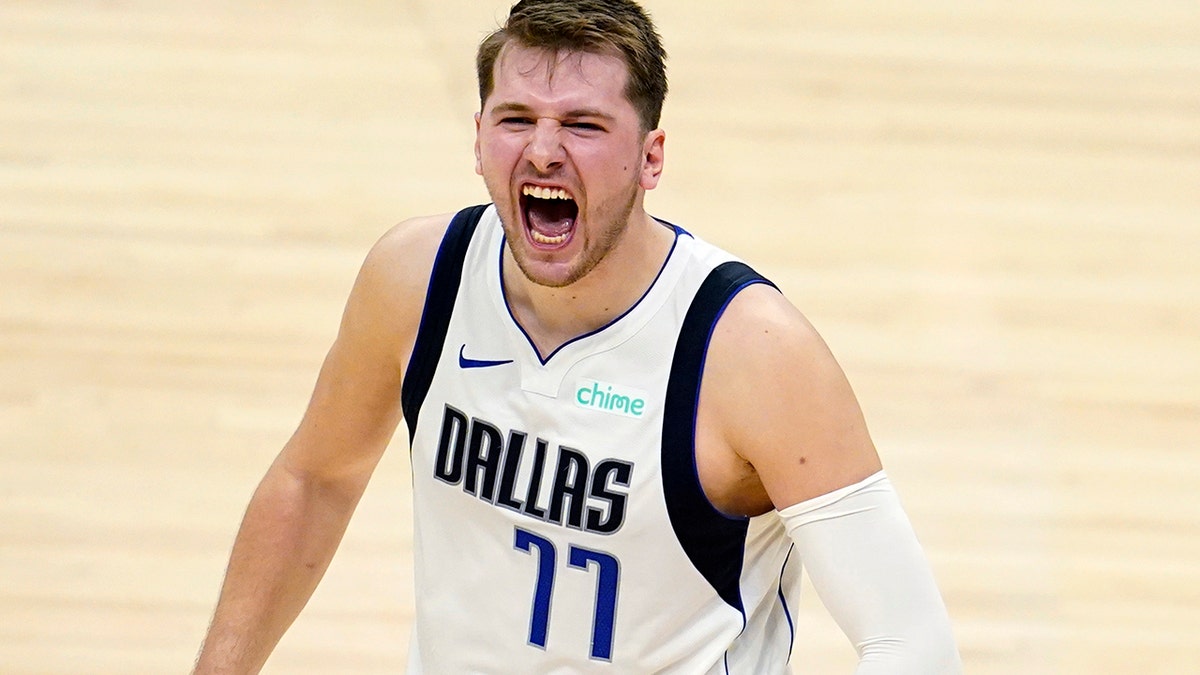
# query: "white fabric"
{"type": "Point", "coordinates": [477, 585]}
{"type": "Point", "coordinates": [869, 570]}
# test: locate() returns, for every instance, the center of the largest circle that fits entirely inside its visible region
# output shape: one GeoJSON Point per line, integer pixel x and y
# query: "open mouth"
{"type": "Point", "coordinates": [550, 215]}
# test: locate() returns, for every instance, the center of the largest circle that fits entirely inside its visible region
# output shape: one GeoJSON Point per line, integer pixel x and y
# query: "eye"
{"type": "Point", "coordinates": [584, 126]}
{"type": "Point", "coordinates": [516, 121]}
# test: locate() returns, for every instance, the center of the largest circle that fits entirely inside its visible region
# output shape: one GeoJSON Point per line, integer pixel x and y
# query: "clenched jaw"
{"type": "Point", "coordinates": [550, 214]}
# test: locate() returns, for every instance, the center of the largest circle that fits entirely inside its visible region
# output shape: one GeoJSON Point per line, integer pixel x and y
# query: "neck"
{"type": "Point", "coordinates": [553, 316]}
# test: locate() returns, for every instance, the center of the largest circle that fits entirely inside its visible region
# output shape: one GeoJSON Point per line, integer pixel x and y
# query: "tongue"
{"type": "Point", "coordinates": [551, 217]}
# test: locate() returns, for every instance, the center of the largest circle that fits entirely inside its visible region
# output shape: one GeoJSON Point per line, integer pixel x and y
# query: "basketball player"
{"type": "Point", "coordinates": [625, 442]}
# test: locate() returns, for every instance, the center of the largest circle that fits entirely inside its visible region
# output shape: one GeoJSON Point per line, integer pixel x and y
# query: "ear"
{"type": "Point", "coordinates": [478, 158]}
{"type": "Point", "coordinates": [652, 159]}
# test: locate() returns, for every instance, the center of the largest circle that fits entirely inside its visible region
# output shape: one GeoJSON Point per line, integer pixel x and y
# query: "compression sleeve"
{"type": "Point", "coordinates": [868, 568]}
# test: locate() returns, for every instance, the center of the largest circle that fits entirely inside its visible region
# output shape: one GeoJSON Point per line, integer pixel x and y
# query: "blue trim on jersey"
{"type": "Point", "coordinates": [783, 601]}
{"type": "Point", "coordinates": [703, 360]}
{"type": "Point", "coordinates": [678, 230]}
{"type": "Point", "coordinates": [440, 296]}
{"type": "Point", "coordinates": [714, 542]}
{"type": "Point", "coordinates": [500, 269]}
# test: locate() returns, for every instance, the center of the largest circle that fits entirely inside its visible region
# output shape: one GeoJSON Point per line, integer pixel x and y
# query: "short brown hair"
{"type": "Point", "coordinates": [595, 26]}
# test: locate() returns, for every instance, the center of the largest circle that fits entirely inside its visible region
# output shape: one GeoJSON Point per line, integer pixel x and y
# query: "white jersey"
{"type": "Point", "coordinates": [560, 524]}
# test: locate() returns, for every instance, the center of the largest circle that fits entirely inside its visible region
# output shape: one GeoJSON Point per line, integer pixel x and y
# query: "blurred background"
{"type": "Point", "coordinates": [991, 211]}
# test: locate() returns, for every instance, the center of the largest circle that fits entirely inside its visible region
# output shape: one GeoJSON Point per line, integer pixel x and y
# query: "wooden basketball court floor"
{"type": "Point", "coordinates": [991, 210]}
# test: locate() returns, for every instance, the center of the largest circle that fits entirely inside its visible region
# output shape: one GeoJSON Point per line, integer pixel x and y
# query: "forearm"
{"type": "Point", "coordinates": [288, 536]}
{"type": "Point", "coordinates": [869, 570]}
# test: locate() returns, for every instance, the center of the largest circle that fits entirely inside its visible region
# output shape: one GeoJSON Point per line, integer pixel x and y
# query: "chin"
{"type": "Point", "coordinates": [550, 275]}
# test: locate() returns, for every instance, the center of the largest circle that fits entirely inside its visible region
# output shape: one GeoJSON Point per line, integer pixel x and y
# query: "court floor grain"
{"type": "Point", "coordinates": [991, 210]}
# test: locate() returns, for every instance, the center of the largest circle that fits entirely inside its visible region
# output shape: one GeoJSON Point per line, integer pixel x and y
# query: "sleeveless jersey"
{"type": "Point", "coordinates": [560, 526]}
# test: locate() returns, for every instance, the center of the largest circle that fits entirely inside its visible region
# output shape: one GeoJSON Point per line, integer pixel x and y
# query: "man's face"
{"type": "Point", "coordinates": [564, 158]}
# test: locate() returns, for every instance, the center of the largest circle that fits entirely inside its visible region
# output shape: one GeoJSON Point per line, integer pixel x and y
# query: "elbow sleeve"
{"type": "Point", "coordinates": [871, 574]}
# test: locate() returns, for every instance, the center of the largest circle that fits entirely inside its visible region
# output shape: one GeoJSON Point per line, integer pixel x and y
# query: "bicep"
{"type": "Point", "coordinates": [351, 416]}
{"type": "Point", "coordinates": [786, 406]}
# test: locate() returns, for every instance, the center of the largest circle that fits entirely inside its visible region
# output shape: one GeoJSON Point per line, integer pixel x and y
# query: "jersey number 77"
{"type": "Point", "coordinates": [609, 574]}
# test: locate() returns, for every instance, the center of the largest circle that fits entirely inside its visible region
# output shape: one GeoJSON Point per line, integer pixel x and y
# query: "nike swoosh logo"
{"type": "Point", "coordinates": [464, 362]}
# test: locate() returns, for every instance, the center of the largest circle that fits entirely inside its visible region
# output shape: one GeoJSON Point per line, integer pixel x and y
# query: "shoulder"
{"type": "Point", "coordinates": [760, 324]}
{"type": "Point", "coordinates": [397, 268]}
{"type": "Point", "coordinates": [403, 257]}
{"type": "Point", "coordinates": [388, 296]}
{"type": "Point", "coordinates": [781, 400]}
{"type": "Point", "coordinates": [763, 348]}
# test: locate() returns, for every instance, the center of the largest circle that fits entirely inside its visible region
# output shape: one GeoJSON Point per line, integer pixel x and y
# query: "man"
{"type": "Point", "coordinates": [625, 443]}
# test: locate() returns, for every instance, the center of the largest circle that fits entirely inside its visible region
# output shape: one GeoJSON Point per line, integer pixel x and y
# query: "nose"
{"type": "Point", "coordinates": [545, 151]}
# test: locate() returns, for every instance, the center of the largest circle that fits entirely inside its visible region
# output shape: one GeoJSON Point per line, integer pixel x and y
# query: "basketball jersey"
{"type": "Point", "coordinates": [560, 526]}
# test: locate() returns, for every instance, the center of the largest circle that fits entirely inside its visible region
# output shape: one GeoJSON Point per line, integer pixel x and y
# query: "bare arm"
{"type": "Point", "coordinates": [300, 510]}
{"type": "Point", "coordinates": [778, 422]}
{"type": "Point", "coordinates": [783, 430]}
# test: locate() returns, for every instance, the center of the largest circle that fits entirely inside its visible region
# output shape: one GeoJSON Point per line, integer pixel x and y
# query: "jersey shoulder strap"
{"type": "Point", "coordinates": [713, 541]}
{"type": "Point", "coordinates": [435, 317]}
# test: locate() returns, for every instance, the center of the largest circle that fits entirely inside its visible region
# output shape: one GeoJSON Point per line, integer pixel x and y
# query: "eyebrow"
{"type": "Point", "coordinates": [521, 108]}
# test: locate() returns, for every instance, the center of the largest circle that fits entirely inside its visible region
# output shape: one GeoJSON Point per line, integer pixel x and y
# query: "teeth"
{"type": "Point", "coordinates": [549, 241]}
{"type": "Point", "coordinates": [545, 192]}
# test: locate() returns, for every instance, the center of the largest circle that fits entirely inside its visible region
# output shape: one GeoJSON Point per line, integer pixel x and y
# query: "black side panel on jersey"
{"type": "Point", "coordinates": [713, 541]}
{"type": "Point", "coordinates": [435, 317]}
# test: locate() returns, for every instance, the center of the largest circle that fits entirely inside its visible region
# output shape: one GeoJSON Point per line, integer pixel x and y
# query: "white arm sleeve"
{"type": "Point", "coordinates": [868, 568]}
